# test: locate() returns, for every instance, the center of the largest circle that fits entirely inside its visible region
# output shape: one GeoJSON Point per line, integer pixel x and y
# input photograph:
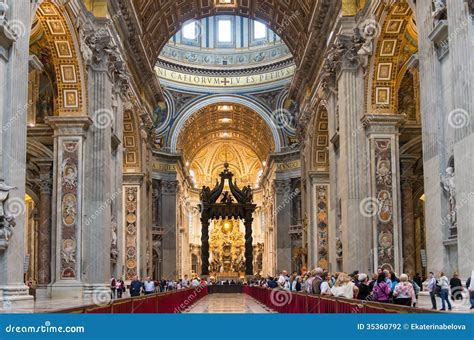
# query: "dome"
{"type": "Point", "coordinates": [225, 42]}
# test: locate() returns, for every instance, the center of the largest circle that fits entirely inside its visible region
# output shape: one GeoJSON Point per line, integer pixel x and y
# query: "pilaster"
{"type": "Point", "coordinates": [68, 197]}
{"type": "Point", "coordinates": [382, 206]}
{"type": "Point", "coordinates": [45, 238]}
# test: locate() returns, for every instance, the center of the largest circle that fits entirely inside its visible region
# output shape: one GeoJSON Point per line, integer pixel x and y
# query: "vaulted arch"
{"type": "Point", "coordinates": [396, 44]}
{"type": "Point", "coordinates": [52, 24]}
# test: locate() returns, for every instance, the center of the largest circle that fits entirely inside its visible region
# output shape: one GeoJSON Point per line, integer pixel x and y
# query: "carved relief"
{"type": "Point", "coordinates": [69, 208]}
{"type": "Point", "coordinates": [384, 189]}
{"type": "Point", "coordinates": [130, 211]}
{"type": "Point", "coordinates": [7, 221]}
{"type": "Point", "coordinates": [322, 225]}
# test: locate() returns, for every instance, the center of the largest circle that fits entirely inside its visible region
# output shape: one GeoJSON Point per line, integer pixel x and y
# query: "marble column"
{"type": "Point", "coordinates": [352, 167]}
{"type": "Point", "coordinates": [44, 226]}
{"type": "Point", "coordinates": [383, 204]}
{"type": "Point", "coordinates": [169, 243]}
{"type": "Point", "coordinates": [67, 217]}
{"type": "Point", "coordinates": [283, 223]}
{"type": "Point", "coordinates": [205, 245]}
{"type": "Point", "coordinates": [460, 115]}
{"type": "Point", "coordinates": [408, 221]}
{"type": "Point", "coordinates": [248, 245]}
{"type": "Point", "coordinates": [99, 196]}
{"type": "Point", "coordinates": [319, 227]}
{"type": "Point", "coordinates": [14, 55]}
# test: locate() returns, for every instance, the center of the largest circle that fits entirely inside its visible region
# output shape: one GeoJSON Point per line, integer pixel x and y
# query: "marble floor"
{"type": "Point", "coordinates": [228, 304]}
{"type": "Point", "coordinates": [45, 305]}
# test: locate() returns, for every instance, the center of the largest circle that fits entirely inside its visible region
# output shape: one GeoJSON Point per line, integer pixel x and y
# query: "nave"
{"type": "Point", "coordinates": [229, 304]}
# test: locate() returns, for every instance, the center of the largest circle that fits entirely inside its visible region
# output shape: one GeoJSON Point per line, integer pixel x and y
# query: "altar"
{"type": "Point", "coordinates": [226, 244]}
{"type": "Point", "coordinates": [227, 249]}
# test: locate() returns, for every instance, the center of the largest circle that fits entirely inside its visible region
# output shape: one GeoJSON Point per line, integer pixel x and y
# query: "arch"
{"type": "Point", "coordinates": [190, 109]}
{"type": "Point", "coordinates": [68, 67]}
{"type": "Point", "coordinates": [38, 150]}
{"type": "Point", "coordinates": [396, 43]}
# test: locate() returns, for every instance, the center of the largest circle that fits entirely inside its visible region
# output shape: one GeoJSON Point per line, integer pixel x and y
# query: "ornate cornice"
{"type": "Point", "coordinates": [225, 72]}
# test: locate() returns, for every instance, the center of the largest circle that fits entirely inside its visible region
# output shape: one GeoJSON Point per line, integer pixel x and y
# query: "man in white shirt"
{"type": "Point", "coordinates": [283, 278]}
{"type": "Point", "coordinates": [185, 282]}
{"type": "Point", "coordinates": [149, 286]}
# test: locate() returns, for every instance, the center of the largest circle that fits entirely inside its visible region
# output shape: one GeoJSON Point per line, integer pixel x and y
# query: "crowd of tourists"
{"type": "Point", "coordinates": [146, 286]}
{"type": "Point", "coordinates": [385, 286]}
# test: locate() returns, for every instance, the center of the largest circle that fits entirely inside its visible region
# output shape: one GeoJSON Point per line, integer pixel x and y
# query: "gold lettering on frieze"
{"type": "Point", "coordinates": [213, 81]}
{"type": "Point", "coordinates": [289, 165]}
{"type": "Point", "coordinates": [156, 166]}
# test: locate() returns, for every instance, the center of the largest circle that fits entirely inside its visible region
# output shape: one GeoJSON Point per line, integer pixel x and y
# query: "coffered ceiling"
{"type": "Point", "coordinates": [228, 123]}
{"type": "Point", "coordinates": [161, 19]}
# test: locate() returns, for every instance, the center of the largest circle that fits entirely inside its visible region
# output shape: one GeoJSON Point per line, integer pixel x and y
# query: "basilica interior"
{"type": "Point", "coordinates": [232, 139]}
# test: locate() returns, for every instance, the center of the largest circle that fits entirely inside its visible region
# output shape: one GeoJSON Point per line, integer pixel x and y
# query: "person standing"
{"type": "Point", "coordinates": [456, 287]}
{"type": "Point", "coordinates": [113, 286]}
{"type": "Point", "coordinates": [119, 288]}
{"type": "Point", "coordinates": [135, 287]}
{"type": "Point", "coordinates": [381, 291]}
{"type": "Point", "coordinates": [149, 286]}
{"type": "Point", "coordinates": [364, 289]}
{"type": "Point", "coordinates": [404, 294]}
{"type": "Point", "coordinates": [417, 279]}
{"type": "Point", "coordinates": [432, 289]}
{"type": "Point", "coordinates": [444, 283]}
{"type": "Point", "coordinates": [325, 289]}
{"type": "Point", "coordinates": [470, 288]}
{"type": "Point", "coordinates": [316, 284]}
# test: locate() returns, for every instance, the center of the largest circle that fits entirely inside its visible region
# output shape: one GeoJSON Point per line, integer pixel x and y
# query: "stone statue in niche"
{"type": "Point", "coordinates": [7, 221]}
{"type": "Point", "coordinates": [439, 9]}
{"type": "Point", "coordinates": [447, 182]}
{"type": "Point", "coordinates": [114, 252]}
{"type": "Point", "coordinates": [45, 102]}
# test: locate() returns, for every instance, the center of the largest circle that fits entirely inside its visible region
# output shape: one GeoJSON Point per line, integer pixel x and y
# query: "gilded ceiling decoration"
{"type": "Point", "coordinates": [229, 123]}
{"type": "Point", "coordinates": [320, 143]}
{"type": "Point", "coordinates": [70, 96]}
{"type": "Point", "coordinates": [225, 133]}
{"type": "Point", "coordinates": [289, 19]}
{"type": "Point", "coordinates": [131, 143]}
{"type": "Point", "coordinates": [396, 44]}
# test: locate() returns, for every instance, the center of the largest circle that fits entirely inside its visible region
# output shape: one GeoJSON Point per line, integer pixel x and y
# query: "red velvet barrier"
{"type": "Point", "coordinates": [165, 303]}
{"type": "Point", "coordinates": [287, 302]}
{"type": "Point", "coordinates": [122, 307]}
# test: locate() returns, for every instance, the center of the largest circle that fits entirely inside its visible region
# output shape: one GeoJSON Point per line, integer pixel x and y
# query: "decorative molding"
{"type": "Point", "coordinates": [131, 223]}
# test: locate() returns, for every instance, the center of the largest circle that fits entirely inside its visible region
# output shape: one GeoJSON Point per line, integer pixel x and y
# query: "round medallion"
{"type": "Point", "coordinates": [131, 264]}
{"type": "Point", "coordinates": [385, 239]}
{"type": "Point", "coordinates": [131, 218]}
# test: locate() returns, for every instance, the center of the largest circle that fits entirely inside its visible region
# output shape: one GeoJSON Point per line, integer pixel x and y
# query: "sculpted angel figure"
{"type": "Point", "coordinates": [447, 182]}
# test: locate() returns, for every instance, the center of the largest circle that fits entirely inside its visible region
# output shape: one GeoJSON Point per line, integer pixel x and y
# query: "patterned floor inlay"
{"type": "Point", "coordinates": [229, 304]}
